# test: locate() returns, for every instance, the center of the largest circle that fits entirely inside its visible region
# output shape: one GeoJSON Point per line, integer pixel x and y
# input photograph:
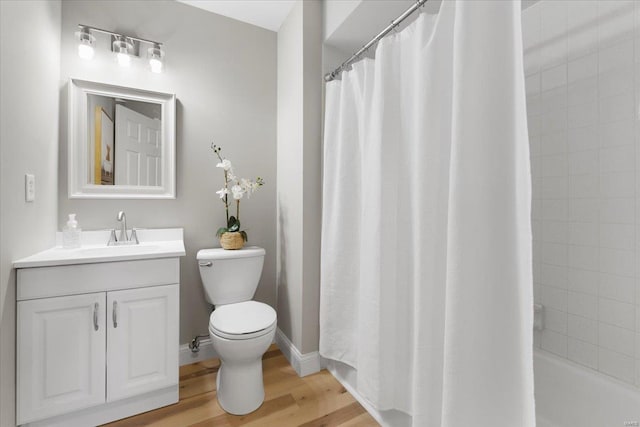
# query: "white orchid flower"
{"type": "Point", "coordinates": [237, 191]}
{"type": "Point", "coordinates": [222, 192]}
{"type": "Point", "coordinates": [230, 175]}
{"type": "Point", "coordinates": [225, 164]}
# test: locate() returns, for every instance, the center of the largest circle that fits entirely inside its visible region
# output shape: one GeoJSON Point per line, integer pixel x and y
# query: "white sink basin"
{"type": "Point", "coordinates": [158, 243]}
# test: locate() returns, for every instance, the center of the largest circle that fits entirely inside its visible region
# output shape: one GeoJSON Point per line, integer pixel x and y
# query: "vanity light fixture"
{"type": "Point", "coordinates": [156, 55]}
{"type": "Point", "coordinates": [85, 42]}
{"type": "Point", "coordinates": [125, 47]}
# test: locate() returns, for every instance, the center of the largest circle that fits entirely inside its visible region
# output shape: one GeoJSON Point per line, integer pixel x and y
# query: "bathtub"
{"type": "Point", "coordinates": [568, 394]}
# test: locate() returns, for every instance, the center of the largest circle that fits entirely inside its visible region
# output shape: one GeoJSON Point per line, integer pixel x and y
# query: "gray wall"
{"type": "Point", "coordinates": [223, 73]}
{"type": "Point", "coordinates": [299, 183]}
{"type": "Point", "coordinates": [29, 83]}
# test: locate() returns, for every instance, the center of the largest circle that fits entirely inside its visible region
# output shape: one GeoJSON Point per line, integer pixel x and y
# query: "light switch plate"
{"type": "Point", "coordinates": [29, 187]}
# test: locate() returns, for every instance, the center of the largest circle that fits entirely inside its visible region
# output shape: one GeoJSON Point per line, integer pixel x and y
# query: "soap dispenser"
{"type": "Point", "coordinates": [71, 233]}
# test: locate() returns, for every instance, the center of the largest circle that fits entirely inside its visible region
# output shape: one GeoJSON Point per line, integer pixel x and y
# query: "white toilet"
{"type": "Point", "coordinates": [241, 330]}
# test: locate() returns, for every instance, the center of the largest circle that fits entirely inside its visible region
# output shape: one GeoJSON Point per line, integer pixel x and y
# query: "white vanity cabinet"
{"type": "Point", "coordinates": [96, 341]}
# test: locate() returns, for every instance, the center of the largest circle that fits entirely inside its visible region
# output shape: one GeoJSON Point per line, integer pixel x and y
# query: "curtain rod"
{"type": "Point", "coordinates": [332, 75]}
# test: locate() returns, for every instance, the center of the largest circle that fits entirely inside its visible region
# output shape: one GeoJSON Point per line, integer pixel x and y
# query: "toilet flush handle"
{"type": "Point", "coordinates": [205, 264]}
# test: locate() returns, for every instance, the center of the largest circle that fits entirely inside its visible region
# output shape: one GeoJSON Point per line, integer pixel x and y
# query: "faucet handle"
{"type": "Point", "coordinates": [112, 238]}
{"type": "Point", "coordinates": [134, 236]}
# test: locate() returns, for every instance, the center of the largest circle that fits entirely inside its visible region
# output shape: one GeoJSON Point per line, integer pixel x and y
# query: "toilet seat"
{"type": "Point", "coordinates": [243, 320]}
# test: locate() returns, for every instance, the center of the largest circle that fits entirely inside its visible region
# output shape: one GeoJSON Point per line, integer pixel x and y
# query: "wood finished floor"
{"type": "Point", "coordinates": [317, 400]}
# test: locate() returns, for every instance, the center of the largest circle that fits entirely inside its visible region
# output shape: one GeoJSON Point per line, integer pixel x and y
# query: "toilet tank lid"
{"type": "Point", "coordinates": [219, 253]}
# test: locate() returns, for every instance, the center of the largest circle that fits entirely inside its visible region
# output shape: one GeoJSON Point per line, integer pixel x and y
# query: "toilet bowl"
{"type": "Point", "coordinates": [241, 330]}
{"type": "Point", "coordinates": [240, 334]}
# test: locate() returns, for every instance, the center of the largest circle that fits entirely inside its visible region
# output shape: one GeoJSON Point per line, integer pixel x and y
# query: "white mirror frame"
{"type": "Point", "coordinates": [78, 151]}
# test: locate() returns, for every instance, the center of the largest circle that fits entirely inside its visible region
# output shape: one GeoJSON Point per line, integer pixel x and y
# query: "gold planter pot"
{"type": "Point", "coordinates": [231, 240]}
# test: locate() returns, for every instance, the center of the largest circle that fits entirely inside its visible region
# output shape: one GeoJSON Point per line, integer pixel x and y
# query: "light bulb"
{"type": "Point", "coordinates": [156, 65]}
{"type": "Point", "coordinates": [124, 60]}
{"type": "Point", "coordinates": [85, 51]}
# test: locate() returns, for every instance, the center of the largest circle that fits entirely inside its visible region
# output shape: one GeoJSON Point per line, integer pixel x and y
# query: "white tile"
{"type": "Point", "coordinates": [583, 281]}
{"type": "Point", "coordinates": [582, 352]}
{"type": "Point", "coordinates": [533, 105]}
{"type": "Point", "coordinates": [553, 52]}
{"type": "Point", "coordinates": [554, 231]}
{"type": "Point", "coordinates": [554, 298]}
{"type": "Point", "coordinates": [619, 184]}
{"type": "Point", "coordinates": [585, 138]}
{"type": "Point", "coordinates": [618, 262]}
{"type": "Point", "coordinates": [554, 77]}
{"type": "Point", "coordinates": [616, 56]}
{"type": "Point", "coordinates": [531, 26]}
{"type": "Point", "coordinates": [534, 126]}
{"type": "Point", "coordinates": [583, 257]}
{"type": "Point", "coordinates": [536, 187]}
{"type": "Point", "coordinates": [617, 159]}
{"type": "Point", "coordinates": [553, 143]}
{"type": "Point", "coordinates": [617, 365]}
{"type": "Point", "coordinates": [613, 108]}
{"type": "Point", "coordinates": [555, 187]}
{"type": "Point", "coordinates": [552, 122]}
{"type": "Point", "coordinates": [621, 210]}
{"type": "Point", "coordinates": [556, 165]}
{"type": "Point", "coordinates": [580, 304]}
{"type": "Point", "coordinates": [532, 84]}
{"type": "Point", "coordinates": [617, 339]}
{"type": "Point", "coordinates": [618, 314]}
{"type": "Point", "coordinates": [619, 288]}
{"type": "Point", "coordinates": [537, 339]}
{"type": "Point", "coordinates": [554, 100]}
{"type": "Point", "coordinates": [583, 210]}
{"type": "Point", "coordinates": [584, 233]}
{"type": "Point", "coordinates": [615, 21]}
{"type": "Point", "coordinates": [584, 186]}
{"type": "Point", "coordinates": [583, 162]}
{"type": "Point", "coordinates": [583, 115]}
{"type": "Point", "coordinates": [554, 254]}
{"type": "Point", "coordinates": [554, 342]}
{"type": "Point", "coordinates": [616, 82]}
{"type": "Point", "coordinates": [582, 328]}
{"type": "Point", "coordinates": [555, 209]}
{"type": "Point", "coordinates": [536, 230]}
{"type": "Point", "coordinates": [553, 275]}
{"type": "Point", "coordinates": [583, 91]}
{"type": "Point", "coordinates": [617, 236]}
{"type": "Point", "coordinates": [553, 19]}
{"type": "Point", "coordinates": [556, 320]}
{"type": "Point", "coordinates": [617, 133]}
{"type": "Point", "coordinates": [582, 68]}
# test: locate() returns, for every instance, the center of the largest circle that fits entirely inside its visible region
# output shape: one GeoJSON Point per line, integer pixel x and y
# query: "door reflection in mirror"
{"type": "Point", "coordinates": [125, 141]}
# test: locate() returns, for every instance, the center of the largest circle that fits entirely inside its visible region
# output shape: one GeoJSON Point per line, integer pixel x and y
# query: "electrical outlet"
{"type": "Point", "coordinates": [29, 187]}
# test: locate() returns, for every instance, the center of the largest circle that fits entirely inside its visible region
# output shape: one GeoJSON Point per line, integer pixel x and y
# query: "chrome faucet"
{"type": "Point", "coordinates": [124, 238]}
{"type": "Point", "coordinates": [122, 218]}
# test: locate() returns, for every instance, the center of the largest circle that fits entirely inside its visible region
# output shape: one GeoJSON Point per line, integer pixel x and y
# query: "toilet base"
{"type": "Point", "coordinates": [240, 391]}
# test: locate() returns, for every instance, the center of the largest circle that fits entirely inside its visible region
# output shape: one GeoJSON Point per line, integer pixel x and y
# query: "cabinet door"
{"type": "Point", "coordinates": [60, 355]}
{"type": "Point", "coordinates": [142, 340]}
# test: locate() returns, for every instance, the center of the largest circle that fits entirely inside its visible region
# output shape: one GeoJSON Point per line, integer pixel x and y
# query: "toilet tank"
{"type": "Point", "coordinates": [230, 276]}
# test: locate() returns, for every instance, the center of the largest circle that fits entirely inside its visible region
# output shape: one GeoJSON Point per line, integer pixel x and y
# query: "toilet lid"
{"type": "Point", "coordinates": [242, 319]}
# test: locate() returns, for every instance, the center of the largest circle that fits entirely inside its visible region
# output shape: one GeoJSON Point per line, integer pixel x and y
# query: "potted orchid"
{"type": "Point", "coordinates": [231, 237]}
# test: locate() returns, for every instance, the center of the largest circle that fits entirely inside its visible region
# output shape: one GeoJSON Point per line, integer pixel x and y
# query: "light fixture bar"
{"type": "Point", "coordinates": [100, 30]}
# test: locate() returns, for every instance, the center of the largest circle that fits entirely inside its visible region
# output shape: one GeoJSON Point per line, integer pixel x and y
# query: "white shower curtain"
{"type": "Point", "coordinates": [426, 237]}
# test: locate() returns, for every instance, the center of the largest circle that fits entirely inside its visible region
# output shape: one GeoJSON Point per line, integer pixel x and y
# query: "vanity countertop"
{"type": "Point", "coordinates": [154, 243]}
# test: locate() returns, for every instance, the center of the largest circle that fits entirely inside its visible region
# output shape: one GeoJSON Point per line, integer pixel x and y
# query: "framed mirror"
{"type": "Point", "coordinates": [121, 142]}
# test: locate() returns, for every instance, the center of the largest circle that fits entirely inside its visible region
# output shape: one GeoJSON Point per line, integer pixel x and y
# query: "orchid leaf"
{"type": "Point", "coordinates": [233, 225]}
{"type": "Point", "coordinates": [244, 236]}
{"type": "Point", "coordinates": [221, 231]}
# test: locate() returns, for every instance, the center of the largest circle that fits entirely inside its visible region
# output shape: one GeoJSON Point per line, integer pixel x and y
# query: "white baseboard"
{"type": "Point", "coordinates": [206, 352]}
{"type": "Point", "coordinates": [304, 364]}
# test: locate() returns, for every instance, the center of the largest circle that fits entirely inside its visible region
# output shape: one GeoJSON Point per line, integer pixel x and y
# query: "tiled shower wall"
{"type": "Point", "coordinates": [582, 65]}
